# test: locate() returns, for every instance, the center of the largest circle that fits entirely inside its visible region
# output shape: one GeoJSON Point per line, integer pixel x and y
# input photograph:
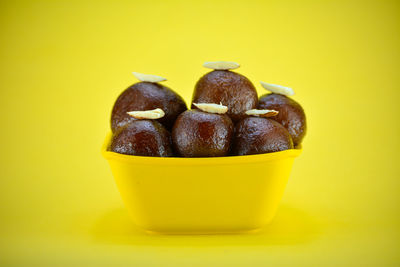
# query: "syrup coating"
{"type": "Point", "coordinates": [142, 138]}
{"type": "Point", "coordinates": [201, 134]}
{"type": "Point", "coordinates": [229, 88]}
{"type": "Point", "coordinates": [147, 96]}
{"type": "Point", "coordinates": [254, 135]}
{"type": "Point", "coordinates": [291, 115]}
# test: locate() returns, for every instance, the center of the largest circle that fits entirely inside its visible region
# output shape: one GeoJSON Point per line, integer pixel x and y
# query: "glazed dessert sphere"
{"type": "Point", "coordinates": [142, 138]}
{"type": "Point", "coordinates": [229, 88]}
{"type": "Point", "coordinates": [254, 135]}
{"type": "Point", "coordinates": [291, 115]}
{"type": "Point", "coordinates": [146, 96]}
{"type": "Point", "coordinates": [201, 134]}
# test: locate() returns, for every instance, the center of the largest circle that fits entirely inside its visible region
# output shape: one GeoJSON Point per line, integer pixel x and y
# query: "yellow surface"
{"type": "Point", "coordinates": [63, 63]}
{"type": "Point", "coordinates": [201, 195]}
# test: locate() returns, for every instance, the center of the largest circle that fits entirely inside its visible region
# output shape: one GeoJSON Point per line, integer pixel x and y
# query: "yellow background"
{"type": "Point", "coordinates": [63, 63]}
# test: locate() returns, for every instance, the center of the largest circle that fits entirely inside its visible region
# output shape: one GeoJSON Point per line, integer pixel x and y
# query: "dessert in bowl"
{"type": "Point", "coordinates": [213, 172]}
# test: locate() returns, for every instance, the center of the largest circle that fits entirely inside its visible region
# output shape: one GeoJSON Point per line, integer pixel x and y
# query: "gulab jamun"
{"type": "Point", "coordinates": [227, 87]}
{"type": "Point", "coordinates": [203, 132]}
{"type": "Point", "coordinates": [146, 95]}
{"type": "Point", "coordinates": [258, 135]}
{"type": "Point", "coordinates": [143, 136]}
{"type": "Point", "coordinates": [291, 115]}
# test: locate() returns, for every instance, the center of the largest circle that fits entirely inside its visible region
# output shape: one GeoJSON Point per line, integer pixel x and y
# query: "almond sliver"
{"type": "Point", "coordinates": [221, 65]}
{"type": "Point", "coordinates": [148, 77]}
{"type": "Point", "coordinates": [212, 108]}
{"type": "Point", "coordinates": [262, 112]}
{"type": "Point", "coordinates": [147, 114]}
{"type": "Point", "coordinates": [278, 89]}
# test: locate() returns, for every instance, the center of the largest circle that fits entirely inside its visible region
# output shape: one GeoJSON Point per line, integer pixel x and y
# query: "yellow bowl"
{"type": "Point", "coordinates": [201, 195]}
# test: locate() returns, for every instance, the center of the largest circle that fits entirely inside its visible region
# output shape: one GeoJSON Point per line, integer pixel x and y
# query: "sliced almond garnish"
{"type": "Point", "coordinates": [148, 77]}
{"type": "Point", "coordinates": [262, 112]}
{"type": "Point", "coordinates": [147, 114]}
{"type": "Point", "coordinates": [212, 108]}
{"type": "Point", "coordinates": [278, 89]}
{"type": "Point", "coordinates": [221, 65]}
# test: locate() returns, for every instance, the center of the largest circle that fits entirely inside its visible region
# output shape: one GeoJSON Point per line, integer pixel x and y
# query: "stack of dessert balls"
{"type": "Point", "coordinates": [226, 117]}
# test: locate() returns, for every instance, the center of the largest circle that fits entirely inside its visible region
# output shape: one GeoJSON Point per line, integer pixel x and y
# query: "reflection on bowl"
{"type": "Point", "coordinates": [201, 195]}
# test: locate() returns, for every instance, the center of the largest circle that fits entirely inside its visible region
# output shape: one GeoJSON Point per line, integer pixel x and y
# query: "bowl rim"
{"type": "Point", "coordinates": [109, 155]}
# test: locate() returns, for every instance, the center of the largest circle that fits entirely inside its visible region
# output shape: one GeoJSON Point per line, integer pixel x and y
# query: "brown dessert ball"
{"type": "Point", "coordinates": [229, 88]}
{"type": "Point", "coordinates": [142, 138]}
{"type": "Point", "coordinates": [146, 96]}
{"type": "Point", "coordinates": [201, 134]}
{"type": "Point", "coordinates": [291, 114]}
{"type": "Point", "coordinates": [255, 135]}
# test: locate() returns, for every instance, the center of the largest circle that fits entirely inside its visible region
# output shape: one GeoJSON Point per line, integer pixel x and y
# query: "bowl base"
{"type": "Point", "coordinates": [204, 232]}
